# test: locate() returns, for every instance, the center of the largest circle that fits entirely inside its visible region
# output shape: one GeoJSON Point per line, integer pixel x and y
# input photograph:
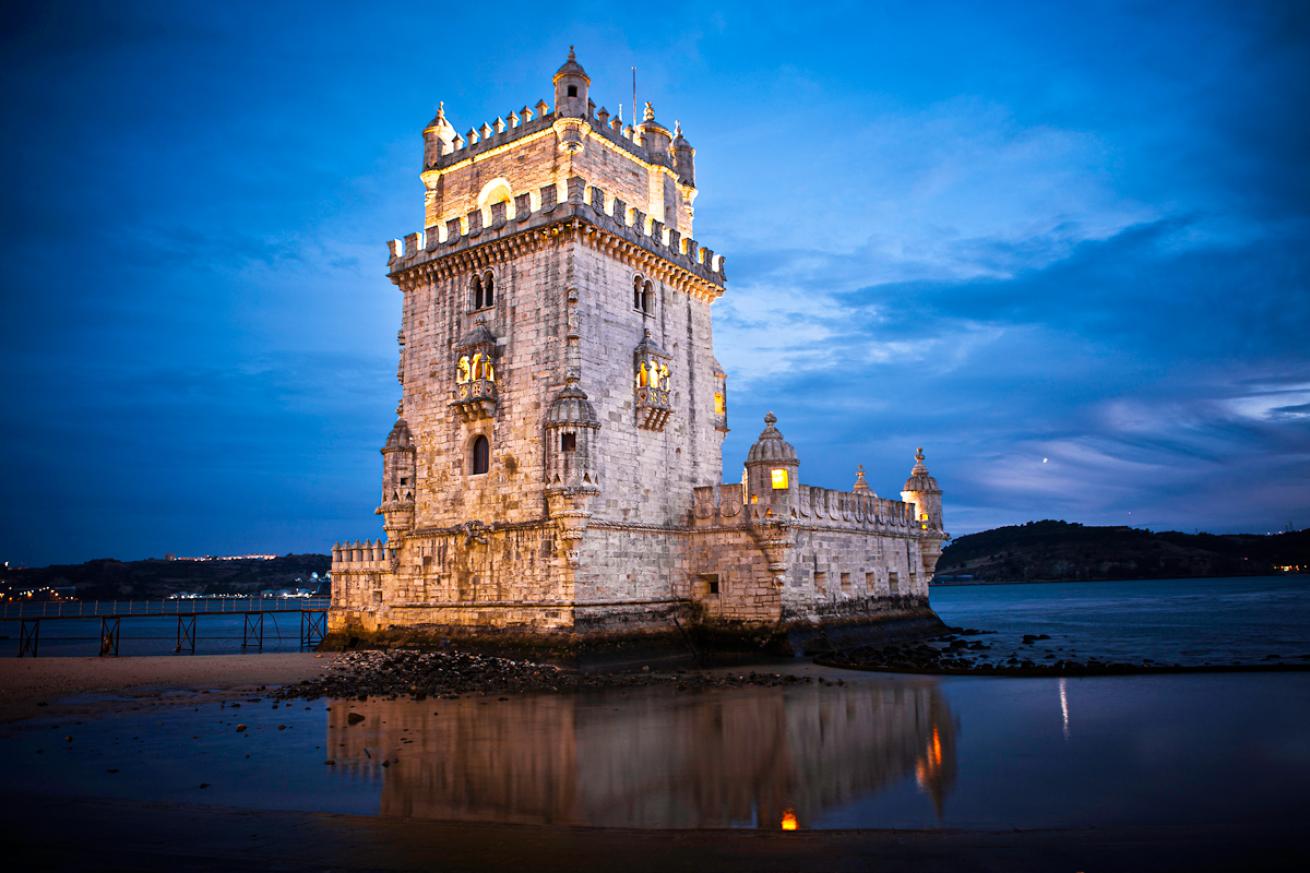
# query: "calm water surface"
{"type": "Point", "coordinates": [1185, 621]}
{"type": "Point", "coordinates": [879, 751]}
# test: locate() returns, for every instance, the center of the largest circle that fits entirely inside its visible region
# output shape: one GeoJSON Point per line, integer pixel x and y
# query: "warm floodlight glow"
{"type": "Point", "coordinates": [779, 476]}
{"type": "Point", "coordinates": [789, 822]}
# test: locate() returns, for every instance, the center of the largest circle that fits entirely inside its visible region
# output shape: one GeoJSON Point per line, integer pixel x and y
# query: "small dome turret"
{"type": "Point", "coordinates": [655, 137]}
{"type": "Point", "coordinates": [571, 84]}
{"type": "Point", "coordinates": [771, 447]}
{"type": "Point", "coordinates": [400, 439]}
{"type": "Point", "coordinates": [571, 408]}
{"type": "Point", "coordinates": [438, 137]}
{"type": "Point", "coordinates": [684, 156]}
{"type": "Point", "coordinates": [919, 479]}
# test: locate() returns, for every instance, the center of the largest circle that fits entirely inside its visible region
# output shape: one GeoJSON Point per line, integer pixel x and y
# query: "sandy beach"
{"type": "Point", "coordinates": [32, 686]}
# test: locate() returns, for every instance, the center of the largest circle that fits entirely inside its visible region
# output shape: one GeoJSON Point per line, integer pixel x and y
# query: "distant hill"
{"type": "Point", "coordinates": [1059, 550]}
{"type": "Point", "coordinates": [106, 578]}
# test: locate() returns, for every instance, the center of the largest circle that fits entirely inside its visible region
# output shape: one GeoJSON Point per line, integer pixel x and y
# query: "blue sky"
{"type": "Point", "coordinates": [1065, 247]}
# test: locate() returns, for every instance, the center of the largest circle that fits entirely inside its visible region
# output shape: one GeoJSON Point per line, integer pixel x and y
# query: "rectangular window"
{"type": "Point", "coordinates": [846, 583]}
{"type": "Point", "coordinates": [779, 478]}
{"type": "Point", "coordinates": [720, 403]}
{"type": "Point", "coordinates": [820, 581]}
{"type": "Point", "coordinates": [707, 584]}
{"type": "Point", "coordinates": [893, 582]}
{"type": "Point", "coordinates": [870, 582]}
{"type": "Point", "coordinates": [568, 442]}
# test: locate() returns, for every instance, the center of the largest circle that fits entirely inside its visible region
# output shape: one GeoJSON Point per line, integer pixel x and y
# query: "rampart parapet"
{"type": "Point", "coordinates": [538, 210]}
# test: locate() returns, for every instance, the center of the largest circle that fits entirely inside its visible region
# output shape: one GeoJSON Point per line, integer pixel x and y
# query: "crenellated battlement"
{"type": "Point", "coordinates": [536, 210]}
{"type": "Point", "coordinates": [360, 556]}
{"type": "Point", "coordinates": [522, 123]}
{"type": "Point", "coordinates": [726, 506]}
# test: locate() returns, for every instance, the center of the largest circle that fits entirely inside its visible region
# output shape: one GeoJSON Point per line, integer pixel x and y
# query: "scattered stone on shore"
{"type": "Point", "coordinates": [448, 673]}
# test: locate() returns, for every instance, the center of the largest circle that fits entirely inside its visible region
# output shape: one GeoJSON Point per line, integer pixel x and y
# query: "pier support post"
{"type": "Point", "coordinates": [29, 637]}
{"type": "Point", "coordinates": [110, 631]}
{"type": "Point", "coordinates": [186, 632]}
{"type": "Point", "coordinates": [252, 631]}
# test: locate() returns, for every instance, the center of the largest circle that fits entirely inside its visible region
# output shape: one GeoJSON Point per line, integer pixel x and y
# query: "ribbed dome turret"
{"type": "Point", "coordinates": [919, 479]}
{"type": "Point", "coordinates": [770, 447]}
{"type": "Point", "coordinates": [571, 407]}
{"type": "Point", "coordinates": [571, 67]}
{"type": "Point", "coordinates": [400, 437]}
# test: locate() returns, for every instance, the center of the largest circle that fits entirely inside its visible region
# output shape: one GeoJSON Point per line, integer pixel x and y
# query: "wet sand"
{"type": "Point", "coordinates": [35, 686]}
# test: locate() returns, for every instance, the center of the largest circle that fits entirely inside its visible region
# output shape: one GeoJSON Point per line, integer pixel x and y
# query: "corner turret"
{"type": "Point", "coordinates": [398, 470]}
{"type": "Point", "coordinates": [655, 138]}
{"type": "Point", "coordinates": [771, 466]}
{"type": "Point", "coordinates": [684, 157]}
{"type": "Point", "coordinates": [921, 490]}
{"type": "Point", "coordinates": [571, 84]}
{"type": "Point", "coordinates": [438, 138]}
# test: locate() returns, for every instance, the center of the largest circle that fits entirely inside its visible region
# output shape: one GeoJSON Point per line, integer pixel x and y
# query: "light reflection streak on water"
{"type": "Point", "coordinates": [1064, 705]}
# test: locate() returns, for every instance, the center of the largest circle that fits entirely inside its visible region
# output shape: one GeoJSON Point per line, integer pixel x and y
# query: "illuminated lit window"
{"type": "Point", "coordinates": [779, 478]}
{"type": "Point", "coordinates": [789, 822]}
{"type": "Point", "coordinates": [720, 403]}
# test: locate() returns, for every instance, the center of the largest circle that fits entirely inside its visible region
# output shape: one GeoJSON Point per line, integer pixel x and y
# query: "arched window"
{"type": "Point", "coordinates": [488, 290]}
{"type": "Point", "coordinates": [643, 295]}
{"type": "Point", "coordinates": [481, 455]}
{"type": "Point", "coordinates": [475, 293]}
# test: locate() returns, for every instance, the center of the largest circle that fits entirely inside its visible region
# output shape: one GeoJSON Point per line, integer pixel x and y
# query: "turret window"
{"type": "Point", "coordinates": [568, 442]}
{"type": "Point", "coordinates": [573, 90]}
{"type": "Point", "coordinates": [482, 291]}
{"type": "Point", "coordinates": [481, 455]}
{"type": "Point", "coordinates": [778, 478]}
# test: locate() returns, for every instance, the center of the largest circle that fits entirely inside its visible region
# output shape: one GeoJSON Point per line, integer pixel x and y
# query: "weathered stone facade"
{"type": "Point", "coordinates": [555, 469]}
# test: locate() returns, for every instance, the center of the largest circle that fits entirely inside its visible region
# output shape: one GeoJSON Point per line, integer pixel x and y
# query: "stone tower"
{"type": "Point", "coordinates": [560, 395]}
{"type": "Point", "coordinates": [562, 413]}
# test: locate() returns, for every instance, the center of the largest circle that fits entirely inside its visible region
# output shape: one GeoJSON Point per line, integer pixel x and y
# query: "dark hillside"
{"type": "Point", "coordinates": [107, 578]}
{"type": "Point", "coordinates": [1058, 550]}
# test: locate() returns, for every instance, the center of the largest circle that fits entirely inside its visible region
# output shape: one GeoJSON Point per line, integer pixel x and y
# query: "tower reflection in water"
{"type": "Point", "coordinates": [765, 757]}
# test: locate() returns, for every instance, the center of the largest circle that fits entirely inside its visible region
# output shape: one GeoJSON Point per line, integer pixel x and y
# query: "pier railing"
{"type": "Point", "coordinates": [311, 612]}
{"type": "Point", "coordinates": [171, 606]}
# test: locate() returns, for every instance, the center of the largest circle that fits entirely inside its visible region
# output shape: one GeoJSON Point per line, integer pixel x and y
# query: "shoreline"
{"type": "Point", "coordinates": [92, 687]}
{"type": "Point", "coordinates": [48, 686]}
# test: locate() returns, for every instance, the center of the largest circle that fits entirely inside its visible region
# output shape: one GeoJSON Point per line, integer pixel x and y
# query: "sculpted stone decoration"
{"type": "Point", "coordinates": [652, 380]}
{"type": "Point", "coordinates": [474, 532]}
{"type": "Point", "coordinates": [475, 373]}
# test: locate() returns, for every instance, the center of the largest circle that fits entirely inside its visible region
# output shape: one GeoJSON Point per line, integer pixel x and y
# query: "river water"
{"type": "Point", "coordinates": [876, 751]}
{"type": "Point", "coordinates": [1185, 621]}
